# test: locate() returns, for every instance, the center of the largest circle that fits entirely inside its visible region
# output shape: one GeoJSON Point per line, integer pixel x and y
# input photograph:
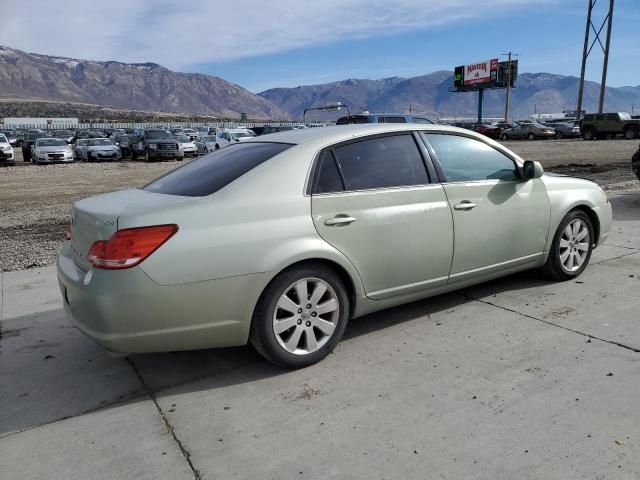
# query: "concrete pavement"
{"type": "Point", "coordinates": [518, 378]}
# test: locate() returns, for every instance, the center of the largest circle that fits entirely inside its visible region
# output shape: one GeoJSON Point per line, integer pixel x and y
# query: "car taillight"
{"type": "Point", "coordinates": [127, 248]}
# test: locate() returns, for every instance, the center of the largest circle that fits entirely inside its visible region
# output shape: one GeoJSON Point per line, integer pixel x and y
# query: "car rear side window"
{"type": "Point", "coordinates": [212, 172]}
{"type": "Point", "coordinates": [327, 178]}
{"type": "Point", "coordinates": [464, 159]}
{"type": "Point", "coordinates": [390, 161]}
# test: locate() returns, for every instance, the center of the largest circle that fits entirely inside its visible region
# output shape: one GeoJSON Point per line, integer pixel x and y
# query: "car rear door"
{"type": "Point", "coordinates": [373, 201]}
{"type": "Point", "coordinates": [500, 220]}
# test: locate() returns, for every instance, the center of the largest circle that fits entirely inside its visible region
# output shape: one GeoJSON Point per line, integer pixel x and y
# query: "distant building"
{"type": "Point", "coordinates": [40, 122]}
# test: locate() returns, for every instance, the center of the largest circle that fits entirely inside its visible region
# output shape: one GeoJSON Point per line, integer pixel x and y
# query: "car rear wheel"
{"type": "Point", "coordinates": [630, 133]}
{"type": "Point", "coordinates": [588, 135]}
{"type": "Point", "coordinates": [504, 137]}
{"type": "Point", "coordinates": [559, 135]}
{"type": "Point", "coordinates": [531, 136]}
{"type": "Point", "coordinates": [301, 316]}
{"type": "Point", "coordinates": [572, 247]}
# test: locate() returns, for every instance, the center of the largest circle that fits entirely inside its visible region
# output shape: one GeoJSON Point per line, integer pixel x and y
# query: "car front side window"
{"type": "Point", "coordinates": [465, 159]}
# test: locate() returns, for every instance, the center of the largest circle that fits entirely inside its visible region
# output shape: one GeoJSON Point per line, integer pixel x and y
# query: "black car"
{"type": "Point", "coordinates": [124, 141]}
{"type": "Point", "coordinates": [66, 135]}
{"type": "Point", "coordinates": [156, 144]}
{"type": "Point", "coordinates": [28, 141]}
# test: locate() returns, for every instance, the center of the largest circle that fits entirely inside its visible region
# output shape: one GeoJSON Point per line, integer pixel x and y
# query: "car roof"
{"type": "Point", "coordinates": [339, 133]}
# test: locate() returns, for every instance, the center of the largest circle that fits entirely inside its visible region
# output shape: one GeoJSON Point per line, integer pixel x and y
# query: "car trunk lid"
{"type": "Point", "coordinates": [96, 218]}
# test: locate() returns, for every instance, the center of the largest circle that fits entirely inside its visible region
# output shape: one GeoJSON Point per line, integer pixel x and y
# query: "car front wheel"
{"type": "Point", "coordinates": [301, 316]}
{"type": "Point", "coordinates": [572, 247]}
{"type": "Point", "coordinates": [504, 137]}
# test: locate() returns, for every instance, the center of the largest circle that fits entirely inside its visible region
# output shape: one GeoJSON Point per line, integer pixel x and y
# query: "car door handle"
{"type": "Point", "coordinates": [464, 206]}
{"type": "Point", "coordinates": [339, 220]}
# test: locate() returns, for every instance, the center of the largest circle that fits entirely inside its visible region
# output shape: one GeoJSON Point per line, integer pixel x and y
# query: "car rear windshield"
{"type": "Point", "coordinates": [212, 172]}
{"type": "Point", "coordinates": [352, 119]}
{"type": "Point", "coordinates": [155, 134]}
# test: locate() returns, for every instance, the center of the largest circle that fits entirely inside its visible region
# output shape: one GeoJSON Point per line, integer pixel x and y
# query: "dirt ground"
{"type": "Point", "coordinates": [35, 202]}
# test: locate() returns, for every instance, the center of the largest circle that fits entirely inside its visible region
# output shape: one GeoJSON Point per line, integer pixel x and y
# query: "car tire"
{"type": "Point", "coordinates": [531, 136]}
{"type": "Point", "coordinates": [569, 256]}
{"type": "Point", "coordinates": [559, 135]}
{"type": "Point", "coordinates": [588, 135]}
{"type": "Point", "coordinates": [217, 147]}
{"type": "Point", "coordinates": [302, 340]}
{"type": "Point", "coordinates": [630, 133]}
{"type": "Point", "coordinates": [504, 137]}
{"type": "Point", "coordinates": [146, 157]}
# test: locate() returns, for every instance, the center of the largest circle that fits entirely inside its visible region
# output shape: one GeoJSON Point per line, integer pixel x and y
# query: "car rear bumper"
{"type": "Point", "coordinates": [127, 312]}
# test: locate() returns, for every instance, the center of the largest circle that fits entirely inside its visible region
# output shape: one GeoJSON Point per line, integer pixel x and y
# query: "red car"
{"type": "Point", "coordinates": [491, 131]}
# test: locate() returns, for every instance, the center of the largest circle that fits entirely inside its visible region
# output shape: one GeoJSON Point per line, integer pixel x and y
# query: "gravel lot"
{"type": "Point", "coordinates": [35, 201]}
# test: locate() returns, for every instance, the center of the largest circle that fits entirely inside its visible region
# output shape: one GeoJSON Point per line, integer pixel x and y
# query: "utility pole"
{"type": "Point", "coordinates": [608, 20]}
{"type": "Point", "coordinates": [506, 103]}
{"type": "Point", "coordinates": [605, 63]}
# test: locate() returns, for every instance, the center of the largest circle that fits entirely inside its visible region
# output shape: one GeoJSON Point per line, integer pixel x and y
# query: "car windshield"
{"type": "Point", "coordinates": [184, 138]}
{"type": "Point", "coordinates": [51, 142]}
{"type": "Point", "coordinates": [99, 142]}
{"type": "Point", "coordinates": [209, 138]}
{"type": "Point", "coordinates": [214, 171]}
{"type": "Point", "coordinates": [242, 135]}
{"type": "Point", "coordinates": [3, 139]}
{"type": "Point", "coordinates": [63, 134]}
{"type": "Point", "coordinates": [154, 134]}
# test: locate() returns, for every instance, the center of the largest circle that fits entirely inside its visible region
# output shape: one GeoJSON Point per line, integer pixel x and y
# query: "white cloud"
{"type": "Point", "coordinates": [178, 34]}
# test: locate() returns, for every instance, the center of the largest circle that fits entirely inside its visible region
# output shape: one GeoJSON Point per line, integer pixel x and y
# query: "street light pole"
{"type": "Point", "coordinates": [506, 103]}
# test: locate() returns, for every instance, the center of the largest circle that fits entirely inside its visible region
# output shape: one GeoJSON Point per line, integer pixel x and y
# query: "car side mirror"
{"type": "Point", "coordinates": [531, 170]}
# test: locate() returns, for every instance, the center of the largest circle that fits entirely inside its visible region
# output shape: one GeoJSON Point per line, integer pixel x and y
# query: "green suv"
{"type": "Point", "coordinates": [609, 125]}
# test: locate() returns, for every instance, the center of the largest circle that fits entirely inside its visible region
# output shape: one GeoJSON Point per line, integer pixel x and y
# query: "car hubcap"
{"type": "Point", "coordinates": [306, 316]}
{"type": "Point", "coordinates": [574, 245]}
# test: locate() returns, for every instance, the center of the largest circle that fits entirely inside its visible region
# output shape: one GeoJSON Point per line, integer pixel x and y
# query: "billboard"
{"type": "Point", "coordinates": [50, 122]}
{"type": "Point", "coordinates": [487, 74]}
{"type": "Point", "coordinates": [481, 72]}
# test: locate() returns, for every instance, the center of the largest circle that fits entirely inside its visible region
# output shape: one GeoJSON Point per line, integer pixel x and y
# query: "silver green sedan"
{"type": "Point", "coordinates": [280, 241]}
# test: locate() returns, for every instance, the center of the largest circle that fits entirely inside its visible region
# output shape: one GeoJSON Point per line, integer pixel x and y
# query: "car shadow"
{"type": "Point", "coordinates": [50, 371]}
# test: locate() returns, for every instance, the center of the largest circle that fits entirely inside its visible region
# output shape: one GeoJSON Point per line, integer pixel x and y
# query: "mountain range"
{"type": "Point", "coordinates": [431, 95]}
{"type": "Point", "coordinates": [151, 87]}
{"type": "Point", "coordinates": [138, 86]}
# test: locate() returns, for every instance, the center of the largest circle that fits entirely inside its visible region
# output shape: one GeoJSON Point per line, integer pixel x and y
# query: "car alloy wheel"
{"type": "Point", "coordinates": [572, 246]}
{"type": "Point", "coordinates": [306, 316]}
{"type": "Point", "coordinates": [504, 137]}
{"type": "Point", "coordinates": [629, 134]}
{"type": "Point", "coordinates": [531, 136]}
{"type": "Point", "coordinates": [587, 135]}
{"type": "Point", "coordinates": [301, 316]}
{"type": "Point", "coordinates": [559, 135]}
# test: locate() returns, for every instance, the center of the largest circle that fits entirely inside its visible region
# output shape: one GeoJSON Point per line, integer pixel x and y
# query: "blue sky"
{"type": "Point", "coordinates": [549, 38]}
{"type": "Point", "coordinates": [260, 45]}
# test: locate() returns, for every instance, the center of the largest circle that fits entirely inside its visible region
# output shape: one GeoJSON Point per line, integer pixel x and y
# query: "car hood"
{"type": "Point", "coordinates": [53, 149]}
{"type": "Point", "coordinates": [162, 140]}
{"type": "Point", "coordinates": [102, 147]}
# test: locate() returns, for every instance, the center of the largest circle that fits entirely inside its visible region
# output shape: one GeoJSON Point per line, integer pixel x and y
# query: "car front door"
{"type": "Point", "coordinates": [372, 200]}
{"type": "Point", "coordinates": [500, 220]}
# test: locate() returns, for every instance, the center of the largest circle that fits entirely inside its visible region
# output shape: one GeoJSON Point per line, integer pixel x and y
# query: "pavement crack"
{"type": "Point", "coordinates": [615, 258]}
{"type": "Point", "coordinates": [621, 246]}
{"type": "Point", "coordinates": [167, 425]}
{"type": "Point", "coordinates": [618, 344]}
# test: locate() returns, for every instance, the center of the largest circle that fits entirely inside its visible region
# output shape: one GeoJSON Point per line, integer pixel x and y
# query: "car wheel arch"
{"type": "Point", "coordinates": [593, 216]}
